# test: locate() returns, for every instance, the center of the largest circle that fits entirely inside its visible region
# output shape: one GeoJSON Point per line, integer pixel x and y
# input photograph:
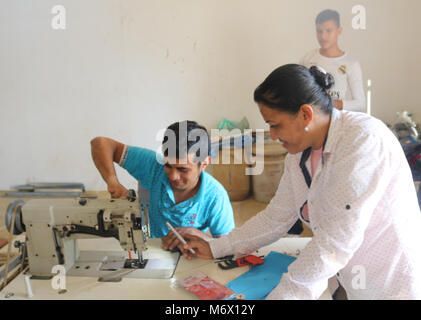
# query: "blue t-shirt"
{"type": "Point", "coordinates": [210, 208]}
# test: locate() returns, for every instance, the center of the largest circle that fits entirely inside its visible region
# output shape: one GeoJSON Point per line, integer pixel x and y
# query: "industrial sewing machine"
{"type": "Point", "coordinates": [54, 226]}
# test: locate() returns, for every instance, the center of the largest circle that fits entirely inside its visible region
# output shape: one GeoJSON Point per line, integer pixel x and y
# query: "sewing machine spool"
{"type": "Point", "coordinates": [19, 226]}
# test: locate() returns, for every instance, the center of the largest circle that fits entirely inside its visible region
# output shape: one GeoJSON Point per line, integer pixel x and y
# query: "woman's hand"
{"type": "Point", "coordinates": [199, 245]}
{"type": "Point", "coordinates": [170, 241]}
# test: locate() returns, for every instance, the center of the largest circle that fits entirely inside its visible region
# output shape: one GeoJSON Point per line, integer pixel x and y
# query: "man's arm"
{"type": "Point", "coordinates": [105, 152]}
{"type": "Point", "coordinates": [355, 83]}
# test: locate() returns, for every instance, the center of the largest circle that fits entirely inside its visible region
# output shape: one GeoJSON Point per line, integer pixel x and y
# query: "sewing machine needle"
{"type": "Point", "coordinates": [140, 256]}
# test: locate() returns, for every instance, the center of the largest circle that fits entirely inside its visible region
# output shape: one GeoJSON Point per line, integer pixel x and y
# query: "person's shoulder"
{"type": "Point", "coordinates": [360, 124]}
{"type": "Point", "coordinates": [213, 188]}
{"type": "Point", "coordinates": [359, 119]}
{"type": "Point", "coordinates": [140, 150]}
{"type": "Point", "coordinates": [350, 60]}
{"type": "Point", "coordinates": [309, 57]}
{"type": "Point", "coordinates": [350, 132]}
{"type": "Point", "coordinates": [366, 133]}
{"type": "Point", "coordinates": [142, 162]}
{"type": "Point", "coordinates": [216, 202]}
{"type": "Point", "coordinates": [144, 154]}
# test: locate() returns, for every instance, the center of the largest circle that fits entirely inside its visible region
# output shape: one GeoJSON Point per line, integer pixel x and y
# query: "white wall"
{"type": "Point", "coordinates": [126, 69]}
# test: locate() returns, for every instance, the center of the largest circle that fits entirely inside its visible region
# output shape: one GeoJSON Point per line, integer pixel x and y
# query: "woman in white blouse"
{"type": "Point", "coordinates": [347, 178]}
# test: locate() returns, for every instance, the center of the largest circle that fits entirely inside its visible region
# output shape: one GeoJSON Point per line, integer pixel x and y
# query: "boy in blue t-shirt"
{"type": "Point", "coordinates": [181, 192]}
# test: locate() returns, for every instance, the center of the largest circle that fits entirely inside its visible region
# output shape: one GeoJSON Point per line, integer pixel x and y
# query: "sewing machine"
{"type": "Point", "coordinates": [54, 226]}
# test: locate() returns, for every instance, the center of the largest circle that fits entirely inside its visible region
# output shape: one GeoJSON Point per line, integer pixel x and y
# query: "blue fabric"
{"type": "Point", "coordinates": [210, 209]}
{"type": "Point", "coordinates": [257, 283]}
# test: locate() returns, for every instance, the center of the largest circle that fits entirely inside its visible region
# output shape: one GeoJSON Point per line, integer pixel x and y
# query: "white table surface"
{"type": "Point", "coordinates": [83, 288]}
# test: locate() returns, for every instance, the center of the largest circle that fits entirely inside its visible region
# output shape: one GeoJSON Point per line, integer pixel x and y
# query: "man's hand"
{"type": "Point", "coordinates": [170, 241]}
{"type": "Point", "coordinates": [117, 190]}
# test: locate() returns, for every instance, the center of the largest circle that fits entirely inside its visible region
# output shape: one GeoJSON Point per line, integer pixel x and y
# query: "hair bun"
{"type": "Point", "coordinates": [324, 79]}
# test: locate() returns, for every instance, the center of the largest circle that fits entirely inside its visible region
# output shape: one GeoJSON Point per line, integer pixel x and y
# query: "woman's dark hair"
{"type": "Point", "coordinates": [186, 137]}
{"type": "Point", "coordinates": [327, 15]}
{"type": "Point", "coordinates": [290, 86]}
